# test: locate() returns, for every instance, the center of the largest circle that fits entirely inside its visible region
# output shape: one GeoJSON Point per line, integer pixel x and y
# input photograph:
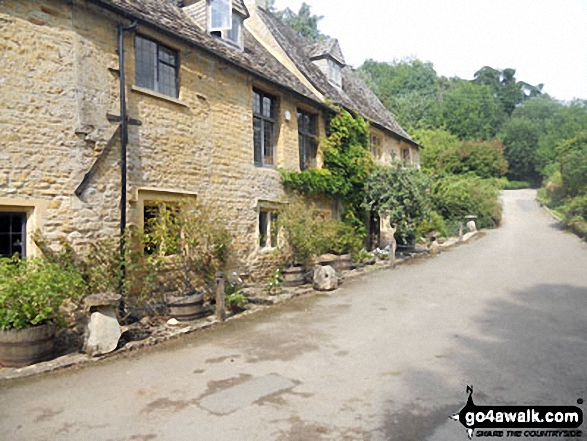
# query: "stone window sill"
{"type": "Point", "coordinates": [158, 95]}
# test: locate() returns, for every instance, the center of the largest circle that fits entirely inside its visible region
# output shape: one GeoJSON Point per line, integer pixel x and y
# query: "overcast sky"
{"type": "Point", "coordinates": [544, 40]}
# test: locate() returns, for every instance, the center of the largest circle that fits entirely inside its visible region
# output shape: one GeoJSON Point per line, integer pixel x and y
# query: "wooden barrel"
{"type": "Point", "coordinates": [293, 276]}
{"type": "Point", "coordinates": [23, 347]}
{"type": "Point", "coordinates": [186, 308]}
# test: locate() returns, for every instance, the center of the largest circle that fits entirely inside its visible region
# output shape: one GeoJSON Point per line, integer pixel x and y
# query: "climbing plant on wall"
{"type": "Point", "coordinates": [346, 166]}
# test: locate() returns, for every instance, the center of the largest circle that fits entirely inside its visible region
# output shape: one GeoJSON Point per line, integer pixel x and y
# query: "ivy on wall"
{"type": "Point", "coordinates": [346, 167]}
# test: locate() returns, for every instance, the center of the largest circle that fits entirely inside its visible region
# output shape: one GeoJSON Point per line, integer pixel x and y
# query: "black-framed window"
{"type": "Point", "coordinates": [307, 139]}
{"type": "Point", "coordinates": [12, 234]}
{"type": "Point", "coordinates": [161, 228]}
{"type": "Point", "coordinates": [156, 67]}
{"type": "Point", "coordinates": [264, 113]}
{"type": "Point", "coordinates": [406, 154]}
{"type": "Point", "coordinates": [375, 144]}
{"type": "Point", "coordinates": [268, 228]}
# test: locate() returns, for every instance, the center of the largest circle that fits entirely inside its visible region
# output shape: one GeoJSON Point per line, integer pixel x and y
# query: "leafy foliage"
{"type": "Point", "coordinates": [400, 193]}
{"type": "Point", "coordinates": [435, 143]}
{"type": "Point", "coordinates": [303, 22]}
{"type": "Point", "coordinates": [31, 292]}
{"type": "Point", "coordinates": [455, 197]}
{"type": "Point", "coordinates": [573, 165]}
{"type": "Point", "coordinates": [470, 111]}
{"type": "Point", "coordinates": [481, 158]}
{"type": "Point", "coordinates": [408, 88]}
{"type": "Point", "coordinates": [310, 235]}
{"type": "Point", "coordinates": [347, 163]}
{"type": "Point", "coordinates": [189, 243]}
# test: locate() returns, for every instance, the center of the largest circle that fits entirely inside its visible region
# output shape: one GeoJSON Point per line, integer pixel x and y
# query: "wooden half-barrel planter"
{"type": "Point", "coordinates": [23, 347]}
{"type": "Point", "coordinates": [185, 307]}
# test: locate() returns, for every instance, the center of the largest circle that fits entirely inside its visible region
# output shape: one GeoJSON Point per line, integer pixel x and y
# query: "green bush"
{"type": "Point", "coordinates": [402, 194]}
{"type": "Point", "coordinates": [482, 158]}
{"type": "Point", "coordinates": [455, 197]}
{"type": "Point", "coordinates": [434, 222]}
{"type": "Point", "coordinates": [31, 292]}
{"type": "Point", "coordinates": [310, 235]}
{"type": "Point", "coordinates": [506, 184]}
{"type": "Point", "coordinates": [573, 165]}
{"type": "Point", "coordinates": [576, 208]}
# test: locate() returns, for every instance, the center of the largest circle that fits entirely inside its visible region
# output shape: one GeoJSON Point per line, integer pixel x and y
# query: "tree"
{"type": "Point", "coordinates": [535, 131]}
{"type": "Point", "coordinates": [303, 22]}
{"type": "Point", "coordinates": [401, 193]}
{"type": "Point", "coordinates": [508, 92]}
{"type": "Point", "coordinates": [408, 88]}
{"type": "Point", "coordinates": [434, 143]}
{"type": "Point", "coordinates": [573, 165]}
{"type": "Point", "coordinates": [469, 111]}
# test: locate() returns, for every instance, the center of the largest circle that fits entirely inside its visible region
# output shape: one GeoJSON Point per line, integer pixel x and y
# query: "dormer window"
{"type": "Point", "coordinates": [326, 54]}
{"type": "Point", "coordinates": [234, 34]}
{"type": "Point", "coordinates": [334, 73]}
{"type": "Point", "coordinates": [220, 18]}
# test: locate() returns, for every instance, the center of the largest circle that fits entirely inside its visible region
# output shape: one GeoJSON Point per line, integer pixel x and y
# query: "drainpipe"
{"type": "Point", "coordinates": [123, 145]}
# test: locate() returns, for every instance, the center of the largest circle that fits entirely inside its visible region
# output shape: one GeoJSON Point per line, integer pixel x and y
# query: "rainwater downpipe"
{"type": "Point", "coordinates": [123, 147]}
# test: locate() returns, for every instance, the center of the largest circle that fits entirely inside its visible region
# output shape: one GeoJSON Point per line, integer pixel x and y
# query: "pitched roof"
{"type": "Point", "coordinates": [355, 94]}
{"type": "Point", "coordinates": [169, 18]}
{"type": "Point", "coordinates": [237, 5]}
{"type": "Point", "coordinates": [166, 16]}
{"type": "Point", "coordinates": [327, 47]}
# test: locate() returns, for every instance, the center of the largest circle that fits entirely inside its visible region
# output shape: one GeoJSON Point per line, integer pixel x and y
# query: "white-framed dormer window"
{"type": "Point", "coordinates": [220, 15]}
{"type": "Point", "coordinates": [234, 34]}
{"type": "Point", "coordinates": [334, 73]}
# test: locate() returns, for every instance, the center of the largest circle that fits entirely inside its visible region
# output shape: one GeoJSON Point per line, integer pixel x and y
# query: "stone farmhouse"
{"type": "Point", "coordinates": [169, 100]}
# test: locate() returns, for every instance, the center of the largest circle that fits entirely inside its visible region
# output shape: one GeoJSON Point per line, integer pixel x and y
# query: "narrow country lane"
{"type": "Point", "coordinates": [387, 357]}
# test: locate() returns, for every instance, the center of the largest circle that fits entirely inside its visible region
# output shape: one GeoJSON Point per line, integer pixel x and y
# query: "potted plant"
{"type": "Point", "coordinates": [235, 302]}
{"type": "Point", "coordinates": [31, 293]}
{"type": "Point", "coordinates": [191, 246]}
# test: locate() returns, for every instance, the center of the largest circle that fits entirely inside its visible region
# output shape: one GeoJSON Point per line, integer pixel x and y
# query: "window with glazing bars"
{"type": "Point", "coordinates": [268, 228]}
{"type": "Point", "coordinates": [12, 234]}
{"type": "Point", "coordinates": [406, 155]}
{"type": "Point", "coordinates": [156, 67]}
{"type": "Point", "coordinates": [375, 146]}
{"type": "Point", "coordinates": [264, 111]}
{"type": "Point", "coordinates": [307, 139]}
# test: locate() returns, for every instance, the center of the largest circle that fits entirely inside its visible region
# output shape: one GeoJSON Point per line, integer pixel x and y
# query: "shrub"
{"type": "Point", "coordinates": [482, 158]}
{"type": "Point", "coordinates": [435, 143]}
{"type": "Point", "coordinates": [455, 197]}
{"type": "Point", "coordinates": [434, 222]}
{"type": "Point", "coordinates": [402, 194]}
{"type": "Point", "coordinates": [309, 234]}
{"type": "Point", "coordinates": [573, 165]}
{"type": "Point", "coordinates": [576, 208]}
{"type": "Point", "coordinates": [31, 292]}
{"type": "Point", "coordinates": [186, 244]}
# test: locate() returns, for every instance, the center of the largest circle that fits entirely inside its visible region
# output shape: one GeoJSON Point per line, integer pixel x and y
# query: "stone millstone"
{"type": "Point", "coordinates": [103, 332]}
{"type": "Point", "coordinates": [325, 278]}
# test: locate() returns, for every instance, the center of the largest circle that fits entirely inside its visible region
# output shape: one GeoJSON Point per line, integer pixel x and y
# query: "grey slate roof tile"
{"type": "Point", "coordinates": [168, 17]}
{"type": "Point", "coordinates": [355, 94]}
{"type": "Point", "coordinates": [326, 47]}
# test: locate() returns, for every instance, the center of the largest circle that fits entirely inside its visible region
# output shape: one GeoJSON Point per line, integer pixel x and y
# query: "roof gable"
{"type": "Point", "coordinates": [327, 48]}
{"type": "Point", "coordinates": [355, 94]}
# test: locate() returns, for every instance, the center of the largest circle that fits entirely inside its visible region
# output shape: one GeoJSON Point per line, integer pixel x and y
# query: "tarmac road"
{"type": "Point", "coordinates": [386, 357]}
